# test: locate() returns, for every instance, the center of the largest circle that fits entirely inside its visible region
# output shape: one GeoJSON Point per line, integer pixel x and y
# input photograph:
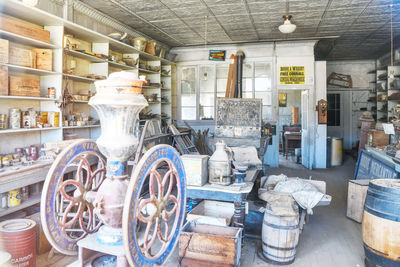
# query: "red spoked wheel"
{"type": "Point", "coordinates": [77, 172]}
{"type": "Point", "coordinates": [154, 207]}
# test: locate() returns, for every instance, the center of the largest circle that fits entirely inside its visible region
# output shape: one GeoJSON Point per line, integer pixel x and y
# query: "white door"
{"type": "Point", "coordinates": [305, 134]}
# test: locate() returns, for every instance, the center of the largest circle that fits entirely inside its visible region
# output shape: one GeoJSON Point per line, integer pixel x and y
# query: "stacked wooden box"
{"type": "Point", "coordinates": [19, 55]}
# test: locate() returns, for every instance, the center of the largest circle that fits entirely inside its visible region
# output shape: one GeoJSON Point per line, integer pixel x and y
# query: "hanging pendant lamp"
{"type": "Point", "coordinates": [287, 26]}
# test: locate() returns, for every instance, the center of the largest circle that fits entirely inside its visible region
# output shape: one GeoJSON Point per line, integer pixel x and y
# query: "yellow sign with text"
{"type": "Point", "coordinates": [292, 75]}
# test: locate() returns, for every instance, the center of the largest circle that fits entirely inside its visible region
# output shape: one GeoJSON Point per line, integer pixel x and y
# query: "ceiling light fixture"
{"type": "Point", "coordinates": [287, 26]}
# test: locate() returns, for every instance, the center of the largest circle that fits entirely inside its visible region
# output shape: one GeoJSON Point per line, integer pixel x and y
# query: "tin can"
{"type": "Point", "coordinates": [3, 201]}
{"type": "Point", "coordinates": [3, 121]}
{"type": "Point", "coordinates": [15, 118]}
{"type": "Point", "coordinates": [24, 193]}
{"type": "Point", "coordinates": [51, 92]}
{"type": "Point", "coordinates": [27, 151]}
{"type": "Point", "coordinates": [34, 153]}
{"type": "Point", "coordinates": [6, 161]}
{"type": "Point", "coordinates": [44, 117]}
{"type": "Point", "coordinates": [53, 118]}
{"type": "Point", "coordinates": [19, 150]}
{"type": "Point", "coordinates": [14, 198]}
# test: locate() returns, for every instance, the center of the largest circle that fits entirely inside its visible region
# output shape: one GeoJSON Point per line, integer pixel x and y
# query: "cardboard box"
{"type": "Point", "coordinates": [22, 57]}
{"type": "Point", "coordinates": [23, 86]}
{"type": "Point", "coordinates": [210, 244]}
{"type": "Point", "coordinates": [377, 138]}
{"type": "Point", "coordinates": [212, 212]}
{"type": "Point", "coordinates": [357, 192]}
{"type": "Point", "coordinates": [4, 50]}
{"type": "Point", "coordinates": [3, 80]}
{"type": "Point", "coordinates": [26, 29]}
{"type": "Point", "coordinates": [44, 59]}
{"type": "Point", "coordinates": [196, 169]}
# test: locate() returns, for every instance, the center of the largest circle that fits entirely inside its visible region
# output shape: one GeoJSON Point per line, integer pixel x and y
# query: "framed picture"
{"type": "Point", "coordinates": [282, 97]}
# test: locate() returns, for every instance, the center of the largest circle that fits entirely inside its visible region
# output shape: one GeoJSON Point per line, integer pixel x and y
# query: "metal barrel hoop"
{"type": "Point", "coordinates": [162, 209]}
{"type": "Point", "coordinates": [66, 214]}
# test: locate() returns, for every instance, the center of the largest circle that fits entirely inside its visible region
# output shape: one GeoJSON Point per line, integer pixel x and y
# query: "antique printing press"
{"type": "Point", "coordinates": [104, 211]}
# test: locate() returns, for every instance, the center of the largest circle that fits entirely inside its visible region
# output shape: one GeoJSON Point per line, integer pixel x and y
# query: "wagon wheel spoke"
{"type": "Point", "coordinates": [160, 187]}
{"type": "Point", "coordinates": [61, 189]}
{"type": "Point", "coordinates": [175, 208]}
{"type": "Point", "coordinates": [97, 178]}
{"type": "Point", "coordinates": [148, 244]}
{"type": "Point", "coordinates": [164, 238]}
{"type": "Point", "coordinates": [67, 224]}
{"type": "Point", "coordinates": [142, 205]}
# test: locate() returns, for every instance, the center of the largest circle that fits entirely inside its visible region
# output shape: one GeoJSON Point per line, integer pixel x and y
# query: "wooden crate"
{"type": "Point", "coordinates": [26, 29]}
{"type": "Point", "coordinates": [22, 57]}
{"type": "Point", "coordinates": [4, 50]}
{"type": "Point", "coordinates": [44, 59]}
{"type": "Point", "coordinates": [3, 80]}
{"type": "Point", "coordinates": [212, 212]}
{"type": "Point", "coordinates": [196, 169]}
{"type": "Point", "coordinates": [23, 86]}
{"type": "Point", "coordinates": [357, 191]}
{"type": "Point", "coordinates": [205, 243]}
{"type": "Point", "coordinates": [377, 138]}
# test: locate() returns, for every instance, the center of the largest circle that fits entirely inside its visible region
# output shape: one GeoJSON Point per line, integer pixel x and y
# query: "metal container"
{"type": "Point", "coordinates": [14, 198]}
{"type": "Point", "coordinates": [3, 121]}
{"type": "Point", "coordinates": [196, 169]}
{"type": "Point", "coordinates": [18, 237]}
{"type": "Point", "coordinates": [162, 52]}
{"type": "Point", "coordinates": [5, 259]}
{"type": "Point", "coordinates": [336, 151]}
{"type": "Point", "coordinates": [3, 201]}
{"type": "Point", "coordinates": [151, 47]}
{"type": "Point", "coordinates": [51, 92]}
{"type": "Point", "coordinates": [24, 193]}
{"type": "Point", "coordinates": [139, 43]}
{"type": "Point", "coordinates": [15, 118]}
{"type": "Point", "coordinates": [219, 164]}
{"type": "Point", "coordinates": [33, 152]}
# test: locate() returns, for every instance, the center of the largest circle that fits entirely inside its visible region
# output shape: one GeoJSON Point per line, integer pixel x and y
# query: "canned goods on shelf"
{"type": "Point", "coordinates": [14, 198]}
{"type": "Point", "coordinates": [15, 118]}
{"type": "Point", "coordinates": [51, 92]}
{"type": "Point", "coordinates": [3, 121]}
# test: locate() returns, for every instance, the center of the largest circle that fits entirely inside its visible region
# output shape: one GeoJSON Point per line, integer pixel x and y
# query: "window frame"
{"type": "Point", "coordinates": [197, 84]}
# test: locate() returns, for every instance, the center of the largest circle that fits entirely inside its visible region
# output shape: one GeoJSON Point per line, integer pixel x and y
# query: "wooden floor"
{"type": "Point", "coordinates": [329, 239]}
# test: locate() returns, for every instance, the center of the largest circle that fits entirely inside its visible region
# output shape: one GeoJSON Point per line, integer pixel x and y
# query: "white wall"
{"type": "Point", "coordinates": [279, 54]}
{"type": "Point", "coordinates": [352, 98]}
{"type": "Point", "coordinates": [321, 129]}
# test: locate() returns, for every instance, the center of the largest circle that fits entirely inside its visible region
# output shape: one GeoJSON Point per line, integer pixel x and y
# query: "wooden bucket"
{"type": "Point", "coordinates": [381, 223]}
{"type": "Point", "coordinates": [280, 236]}
{"type": "Point", "coordinates": [18, 237]}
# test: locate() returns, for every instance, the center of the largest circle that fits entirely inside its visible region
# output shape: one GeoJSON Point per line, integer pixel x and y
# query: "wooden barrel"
{"type": "Point", "coordinates": [18, 237]}
{"type": "Point", "coordinates": [381, 223]}
{"type": "Point", "coordinates": [280, 236]}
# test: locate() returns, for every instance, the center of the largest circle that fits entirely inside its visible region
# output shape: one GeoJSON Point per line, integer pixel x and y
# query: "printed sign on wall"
{"type": "Point", "coordinates": [292, 75]}
{"type": "Point", "coordinates": [217, 55]}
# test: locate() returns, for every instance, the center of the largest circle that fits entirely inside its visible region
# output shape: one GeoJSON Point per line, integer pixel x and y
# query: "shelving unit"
{"type": "Point", "coordinates": [58, 78]}
{"type": "Point", "coordinates": [387, 86]}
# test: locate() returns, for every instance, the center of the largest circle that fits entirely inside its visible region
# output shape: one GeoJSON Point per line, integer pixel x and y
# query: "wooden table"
{"type": "Point", "coordinates": [229, 193]}
{"type": "Point", "coordinates": [292, 141]}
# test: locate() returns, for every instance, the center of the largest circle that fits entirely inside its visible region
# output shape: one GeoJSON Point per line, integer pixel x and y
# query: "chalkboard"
{"type": "Point", "coordinates": [239, 112]}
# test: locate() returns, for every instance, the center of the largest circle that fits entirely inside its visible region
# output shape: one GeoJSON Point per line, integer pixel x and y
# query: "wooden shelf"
{"type": "Point", "coordinates": [84, 56]}
{"type": "Point", "coordinates": [148, 71]}
{"type": "Point", "coordinates": [25, 40]}
{"type": "Point", "coordinates": [81, 127]}
{"type": "Point", "coordinates": [26, 98]}
{"type": "Point", "coordinates": [165, 75]}
{"type": "Point", "coordinates": [150, 87]}
{"type": "Point", "coordinates": [121, 66]}
{"type": "Point", "coordinates": [27, 70]}
{"type": "Point", "coordinates": [32, 200]}
{"type": "Point", "coordinates": [78, 78]}
{"type": "Point", "coordinates": [166, 103]}
{"type": "Point", "coordinates": [165, 89]}
{"type": "Point", "coordinates": [79, 101]}
{"type": "Point", "coordinates": [28, 130]}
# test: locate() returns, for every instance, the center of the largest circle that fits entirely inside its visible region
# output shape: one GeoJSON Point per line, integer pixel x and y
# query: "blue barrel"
{"type": "Point", "coordinates": [381, 223]}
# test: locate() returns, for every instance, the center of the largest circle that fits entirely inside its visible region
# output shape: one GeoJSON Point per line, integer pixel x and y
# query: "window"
{"type": "Point", "coordinates": [188, 93]}
{"type": "Point", "coordinates": [199, 103]}
{"type": "Point", "coordinates": [333, 109]}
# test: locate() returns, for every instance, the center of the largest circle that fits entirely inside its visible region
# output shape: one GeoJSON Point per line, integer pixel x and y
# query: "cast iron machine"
{"type": "Point", "coordinates": [100, 208]}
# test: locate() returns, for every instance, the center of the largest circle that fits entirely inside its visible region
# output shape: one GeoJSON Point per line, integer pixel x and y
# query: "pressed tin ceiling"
{"type": "Point", "coordinates": [348, 29]}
